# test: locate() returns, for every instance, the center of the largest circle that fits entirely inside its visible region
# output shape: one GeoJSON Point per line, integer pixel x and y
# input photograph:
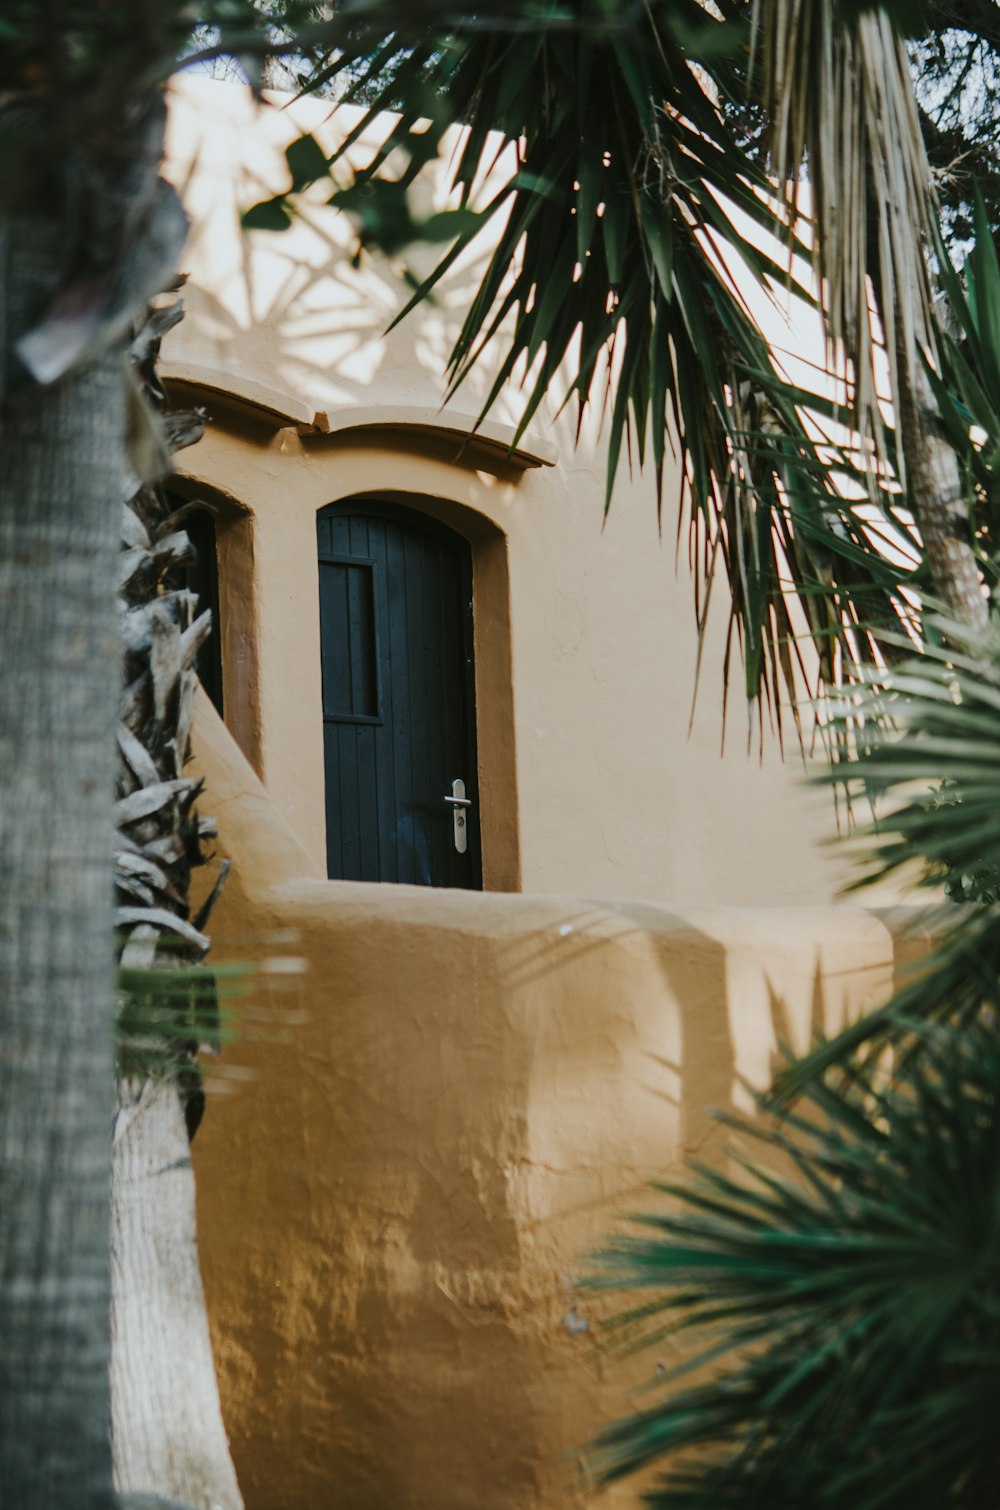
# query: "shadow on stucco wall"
{"type": "Point", "coordinates": [393, 1209]}
{"type": "Point", "coordinates": [461, 1098]}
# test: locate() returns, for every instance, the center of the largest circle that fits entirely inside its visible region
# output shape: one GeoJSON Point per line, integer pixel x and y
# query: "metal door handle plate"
{"type": "Point", "coordinates": [458, 802]}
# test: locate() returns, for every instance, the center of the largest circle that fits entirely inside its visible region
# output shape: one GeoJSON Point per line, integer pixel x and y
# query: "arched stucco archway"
{"type": "Point", "coordinates": [278, 481]}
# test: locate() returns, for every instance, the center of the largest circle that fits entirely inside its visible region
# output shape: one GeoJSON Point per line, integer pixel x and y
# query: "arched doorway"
{"type": "Point", "coordinates": [402, 801]}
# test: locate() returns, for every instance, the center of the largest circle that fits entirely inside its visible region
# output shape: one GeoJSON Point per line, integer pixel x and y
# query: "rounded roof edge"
{"type": "Point", "coordinates": [485, 442]}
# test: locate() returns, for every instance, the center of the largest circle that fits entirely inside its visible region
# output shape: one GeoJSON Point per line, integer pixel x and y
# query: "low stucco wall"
{"type": "Point", "coordinates": [446, 1110]}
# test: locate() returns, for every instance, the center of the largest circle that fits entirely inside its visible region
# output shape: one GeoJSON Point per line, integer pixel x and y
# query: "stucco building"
{"type": "Point", "coordinates": [518, 1006]}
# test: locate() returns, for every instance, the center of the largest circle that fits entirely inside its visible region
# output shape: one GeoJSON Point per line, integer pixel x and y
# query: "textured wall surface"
{"type": "Point", "coordinates": [430, 1124]}
{"type": "Point", "coordinates": [446, 1110]}
{"type": "Point", "coordinates": [593, 777]}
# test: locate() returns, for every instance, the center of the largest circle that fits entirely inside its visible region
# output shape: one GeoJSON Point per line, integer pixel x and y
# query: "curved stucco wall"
{"type": "Point", "coordinates": [614, 795]}
{"type": "Point", "coordinates": [447, 1109]}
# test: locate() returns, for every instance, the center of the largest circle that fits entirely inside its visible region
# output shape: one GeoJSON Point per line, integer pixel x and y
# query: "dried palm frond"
{"type": "Point", "coordinates": [169, 1003]}
{"type": "Point", "coordinates": [838, 99]}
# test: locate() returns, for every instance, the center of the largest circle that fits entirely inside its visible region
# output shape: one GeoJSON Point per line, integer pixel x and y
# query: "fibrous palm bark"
{"type": "Point", "coordinates": [938, 494]}
{"type": "Point", "coordinates": [62, 466]}
{"type": "Point", "coordinates": [78, 261]}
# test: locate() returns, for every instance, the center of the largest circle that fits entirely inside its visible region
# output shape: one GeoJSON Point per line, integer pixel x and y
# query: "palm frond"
{"type": "Point", "coordinates": [838, 97]}
{"type": "Point", "coordinates": [833, 1297]}
{"type": "Point", "coordinates": [923, 739]}
{"type": "Point", "coordinates": [617, 262]}
{"type": "Point", "coordinates": [170, 1012]}
{"type": "Point", "coordinates": [168, 1003]}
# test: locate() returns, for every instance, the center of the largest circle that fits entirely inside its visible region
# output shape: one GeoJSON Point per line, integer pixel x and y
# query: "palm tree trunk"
{"type": "Point", "coordinates": [62, 474]}
{"type": "Point", "coordinates": [168, 1432]}
{"type": "Point", "coordinates": [936, 493]}
{"type": "Point", "coordinates": [64, 458]}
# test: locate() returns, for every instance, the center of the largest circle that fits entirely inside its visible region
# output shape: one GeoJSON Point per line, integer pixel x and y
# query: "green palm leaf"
{"type": "Point", "coordinates": [605, 263]}
{"type": "Point", "coordinates": [836, 1297]}
{"type": "Point", "coordinates": [923, 741]}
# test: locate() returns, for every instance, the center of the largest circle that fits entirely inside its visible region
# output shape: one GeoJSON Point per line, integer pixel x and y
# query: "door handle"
{"type": "Point", "coordinates": [458, 802]}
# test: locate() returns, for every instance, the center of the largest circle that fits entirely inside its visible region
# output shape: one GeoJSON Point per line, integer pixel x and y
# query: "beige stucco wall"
{"type": "Point", "coordinates": [589, 757]}
{"type": "Point", "coordinates": [447, 1109]}
{"type": "Point", "coordinates": [427, 1127]}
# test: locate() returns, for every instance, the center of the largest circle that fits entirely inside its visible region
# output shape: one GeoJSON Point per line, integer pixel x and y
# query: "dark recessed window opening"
{"type": "Point", "coordinates": [201, 576]}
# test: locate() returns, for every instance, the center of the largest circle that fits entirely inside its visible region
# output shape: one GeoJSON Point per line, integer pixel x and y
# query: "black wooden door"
{"type": "Point", "coordinates": [395, 593]}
